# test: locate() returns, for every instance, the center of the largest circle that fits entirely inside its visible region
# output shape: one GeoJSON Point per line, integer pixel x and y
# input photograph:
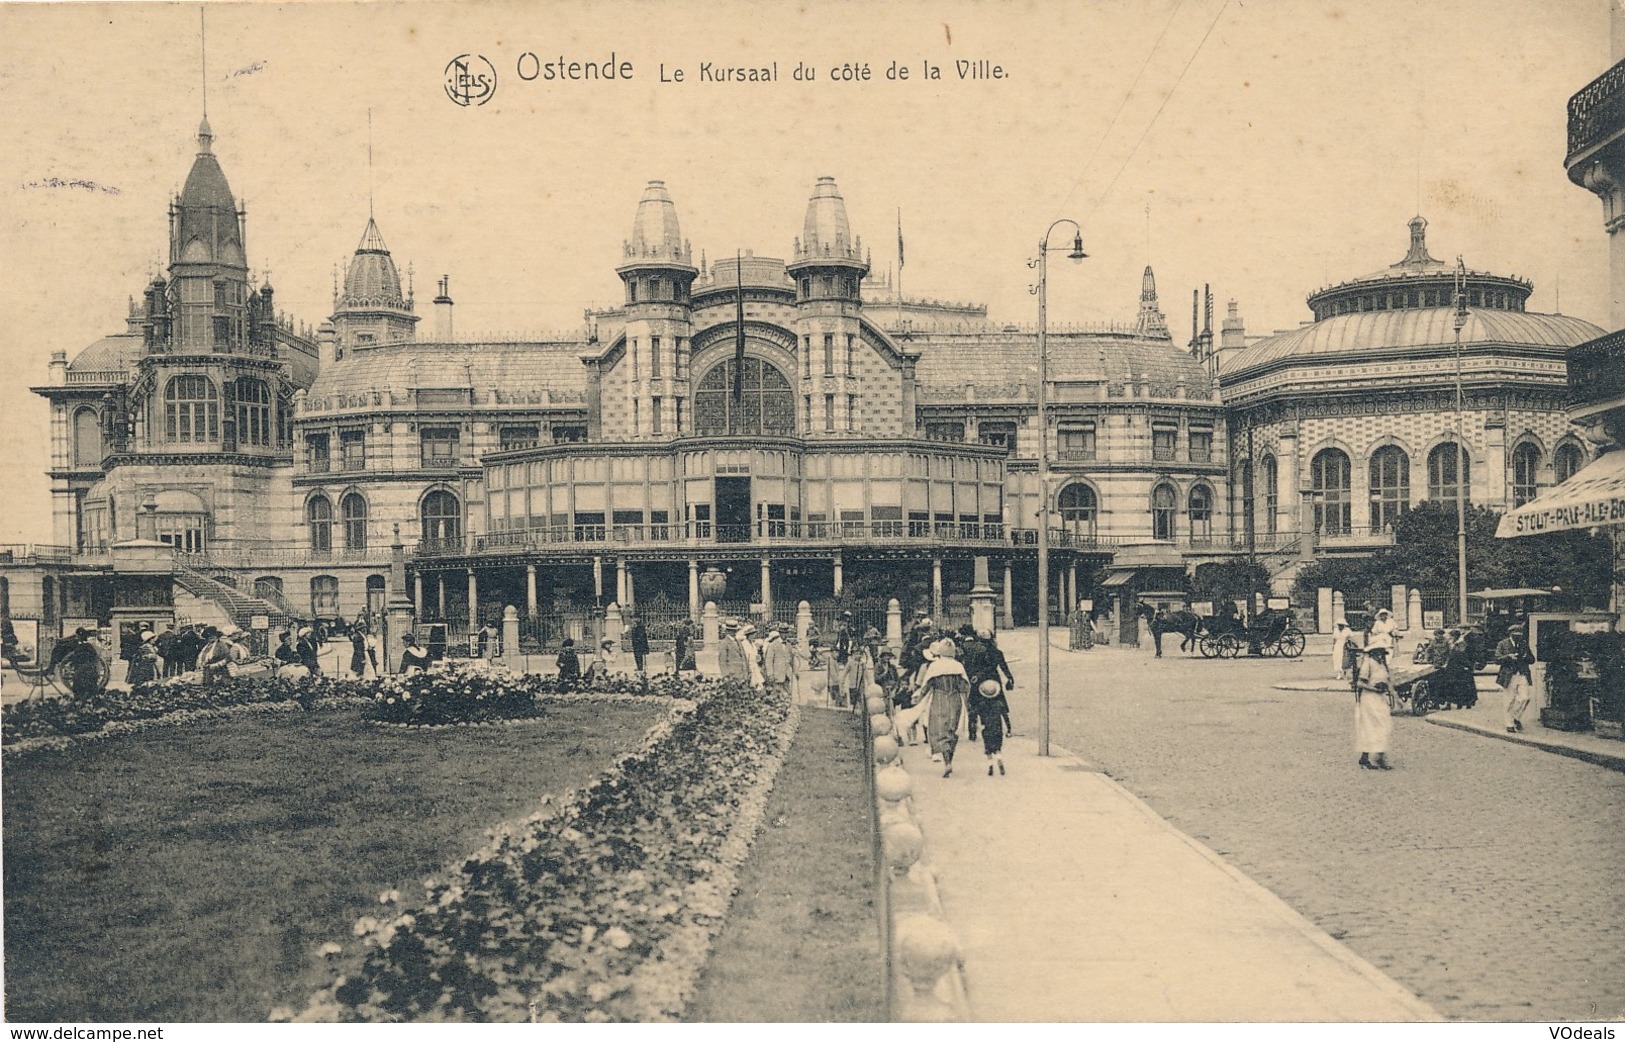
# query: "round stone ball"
{"type": "Point", "coordinates": [875, 705]}
{"type": "Point", "coordinates": [885, 749]}
{"type": "Point", "coordinates": [818, 682]}
{"type": "Point", "coordinates": [874, 690]}
{"type": "Point", "coordinates": [903, 843]}
{"type": "Point", "coordinates": [926, 949]}
{"type": "Point", "coordinates": [893, 784]}
{"type": "Point", "coordinates": [880, 723]}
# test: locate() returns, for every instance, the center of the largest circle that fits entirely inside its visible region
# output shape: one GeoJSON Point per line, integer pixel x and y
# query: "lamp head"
{"type": "Point", "coordinates": [1077, 253]}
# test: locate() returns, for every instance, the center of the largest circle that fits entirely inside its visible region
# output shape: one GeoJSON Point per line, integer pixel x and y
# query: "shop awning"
{"type": "Point", "coordinates": [1593, 496]}
{"type": "Point", "coordinates": [1117, 579]}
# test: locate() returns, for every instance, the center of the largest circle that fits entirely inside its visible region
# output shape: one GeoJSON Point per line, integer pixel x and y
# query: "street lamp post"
{"type": "Point", "coordinates": [1041, 262]}
{"type": "Point", "coordinates": [1461, 455]}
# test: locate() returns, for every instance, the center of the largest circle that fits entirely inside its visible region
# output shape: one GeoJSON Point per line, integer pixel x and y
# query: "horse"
{"type": "Point", "coordinates": [1185, 623]}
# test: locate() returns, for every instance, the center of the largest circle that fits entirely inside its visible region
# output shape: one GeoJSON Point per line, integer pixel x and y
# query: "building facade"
{"type": "Point", "coordinates": [755, 430]}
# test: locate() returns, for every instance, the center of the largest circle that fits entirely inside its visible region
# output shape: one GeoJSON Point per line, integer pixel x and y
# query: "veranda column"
{"type": "Point", "coordinates": [693, 589]}
{"type": "Point", "coordinates": [620, 581]}
{"type": "Point", "coordinates": [936, 591]}
{"type": "Point", "coordinates": [473, 602]}
{"type": "Point", "coordinates": [530, 589]}
{"type": "Point", "coordinates": [767, 586]}
{"type": "Point", "coordinates": [417, 594]}
{"type": "Point", "coordinates": [837, 575]}
{"type": "Point", "coordinates": [598, 580]}
{"type": "Point", "coordinates": [440, 588]}
{"type": "Point", "coordinates": [1071, 587]}
{"type": "Point", "coordinates": [1009, 601]}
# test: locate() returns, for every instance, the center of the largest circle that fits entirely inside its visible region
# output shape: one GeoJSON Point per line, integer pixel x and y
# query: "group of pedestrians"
{"type": "Point", "coordinates": [948, 681]}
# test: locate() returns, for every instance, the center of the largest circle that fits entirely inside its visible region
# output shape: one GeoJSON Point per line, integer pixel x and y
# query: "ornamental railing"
{"type": "Point", "coordinates": [1597, 370]}
{"type": "Point", "coordinates": [1597, 111]}
{"type": "Point", "coordinates": [34, 553]}
{"type": "Point", "coordinates": [765, 533]}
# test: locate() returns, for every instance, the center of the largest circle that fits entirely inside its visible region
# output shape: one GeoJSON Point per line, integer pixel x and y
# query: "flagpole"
{"type": "Point", "coordinates": [739, 343]}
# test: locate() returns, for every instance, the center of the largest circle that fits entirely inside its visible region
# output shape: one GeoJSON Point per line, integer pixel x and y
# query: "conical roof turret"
{"type": "Point", "coordinates": [207, 230]}
{"type": "Point", "coordinates": [1151, 321]}
{"type": "Point", "coordinates": [656, 235]}
{"type": "Point", "coordinates": [826, 234]}
{"type": "Point", "coordinates": [372, 279]}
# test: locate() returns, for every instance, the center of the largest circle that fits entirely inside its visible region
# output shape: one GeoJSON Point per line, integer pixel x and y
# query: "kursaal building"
{"type": "Point", "coordinates": [754, 431]}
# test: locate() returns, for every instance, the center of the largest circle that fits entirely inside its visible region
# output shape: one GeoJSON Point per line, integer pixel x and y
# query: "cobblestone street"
{"type": "Point", "coordinates": [1480, 874]}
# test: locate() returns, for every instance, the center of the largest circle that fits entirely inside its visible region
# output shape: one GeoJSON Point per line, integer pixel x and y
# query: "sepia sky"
{"type": "Point", "coordinates": [1301, 137]}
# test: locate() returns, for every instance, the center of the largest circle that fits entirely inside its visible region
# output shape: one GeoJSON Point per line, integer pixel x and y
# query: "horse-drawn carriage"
{"type": "Point", "coordinates": [1271, 635]}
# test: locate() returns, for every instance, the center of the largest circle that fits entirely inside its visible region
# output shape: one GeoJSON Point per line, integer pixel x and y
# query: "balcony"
{"type": "Point", "coordinates": [1597, 374]}
{"type": "Point", "coordinates": [34, 553]}
{"type": "Point", "coordinates": [1596, 114]}
{"type": "Point", "coordinates": [440, 462]}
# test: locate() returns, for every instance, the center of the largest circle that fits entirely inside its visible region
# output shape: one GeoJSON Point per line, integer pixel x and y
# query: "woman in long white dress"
{"type": "Point", "coordinates": [1373, 726]}
{"type": "Point", "coordinates": [946, 685]}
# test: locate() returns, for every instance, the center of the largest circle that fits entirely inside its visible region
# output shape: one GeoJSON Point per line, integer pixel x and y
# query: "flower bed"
{"type": "Point", "coordinates": [600, 906]}
{"type": "Point", "coordinates": [463, 695]}
{"type": "Point", "coordinates": [69, 717]}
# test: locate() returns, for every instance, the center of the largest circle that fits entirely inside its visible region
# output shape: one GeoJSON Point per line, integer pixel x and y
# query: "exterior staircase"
{"type": "Point", "coordinates": [232, 603]}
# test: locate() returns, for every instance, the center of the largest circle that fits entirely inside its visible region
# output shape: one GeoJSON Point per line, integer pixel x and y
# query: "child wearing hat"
{"type": "Point", "coordinates": [569, 663]}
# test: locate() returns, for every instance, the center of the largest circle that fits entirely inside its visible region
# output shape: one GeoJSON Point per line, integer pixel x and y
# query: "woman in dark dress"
{"type": "Point", "coordinates": [358, 651]}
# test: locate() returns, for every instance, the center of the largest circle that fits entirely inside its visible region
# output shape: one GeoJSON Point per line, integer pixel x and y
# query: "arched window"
{"type": "Point", "coordinates": [353, 509]}
{"type": "Point", "coordinates": [1568, 459]}
{"type": "Point", "coordinates": [376, 589]}
{"type": "Point", "coordinates": [1390, 486]}
{"type": "Point", "coordinates": [324, 597]}
{"type": "Point", "coordinates": [1442, 464]}
{"type": "Point", "coordinates": [1268, 476]}
{"type": "Point", "coordinates": [191, 409]}
{"type": "Point", "coordinates": [442, 517]}
{"type": "Point", "coordinates": [1079, 508]}
{"type": "Point", "coordinates": [253, 412]}
{"type": "Point", "coordinates": [87, 439]}
{"type": "Point", "coordinates": [1329, 474]}
{"type": "Point", "coordinates": [319, 517]}
{"type": "Point", "coordinates": [1525, 473]}
{"type": "Point", "coordinates": [766, 404]}
{"type": "Point", "coordinates": [1245, 489]}
{"type": "Point", "coordinates": [1199, 508]}
{"type": "Point", "coordinates": [1164, 504]}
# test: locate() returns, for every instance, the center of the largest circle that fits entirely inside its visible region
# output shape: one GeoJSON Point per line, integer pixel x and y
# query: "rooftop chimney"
{"type": "Point", "coordinates": [442, 311]}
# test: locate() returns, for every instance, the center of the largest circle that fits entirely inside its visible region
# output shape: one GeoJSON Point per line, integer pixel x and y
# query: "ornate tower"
{"type": "Point", "coordinates": [1151, 321]}
{"type": "Point", "coordinates": [658, 274]}
{"type": "Point", "coordinates": [371, 309]}
{"type": "Point", "coordinates": [828, 270]}
{"type": "Point", "coordinates": [207, 309]}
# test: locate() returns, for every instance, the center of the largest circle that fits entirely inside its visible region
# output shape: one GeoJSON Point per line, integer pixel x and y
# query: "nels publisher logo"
{"type": "Point", "coordinates": [470, 80]}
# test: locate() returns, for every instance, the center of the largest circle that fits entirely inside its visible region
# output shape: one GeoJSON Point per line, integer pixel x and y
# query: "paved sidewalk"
{"type": "Point", "coordinates": [1488, 718]}
{"type": "Point", "coordinates": [1073, 901]}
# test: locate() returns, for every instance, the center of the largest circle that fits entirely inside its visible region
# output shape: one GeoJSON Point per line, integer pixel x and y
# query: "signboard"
{"type": "Point", "coordinates": [26, 649]}
{"type": "Point", "coordinates": [1593, 497]}
{"type": "Point", "coordinates": [1086, 606]}
{"type": "Point", "coordinates": [1279, 604]}
{"type": "Point", "coordinates": [259, 622]}
{"type": "Point", "coordinates": [1433, 620]}
{"type": "Point", "coordinates": [1202, 608]}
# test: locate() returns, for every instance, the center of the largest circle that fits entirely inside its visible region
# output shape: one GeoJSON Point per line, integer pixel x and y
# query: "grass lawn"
{"type": "Point", "coordinates": [190, 874]}
{"type": "Point", "coordinates": [802, 940]}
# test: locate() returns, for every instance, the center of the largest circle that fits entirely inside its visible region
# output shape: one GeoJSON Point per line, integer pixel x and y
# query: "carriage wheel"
{"type": "Point", "coordinates": [1292, 643]}
{"type": "Point", "coordinates": [1421, 698]}
{"type": "Point", "coordinates": [1229, 646]}
{"type": "Point", "coordinates": [1210, 647]}
{"type": "Point", "coordinates": [1272, 649]}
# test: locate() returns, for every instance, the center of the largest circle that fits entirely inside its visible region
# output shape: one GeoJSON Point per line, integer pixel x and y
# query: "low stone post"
{"type": "Point", "coordinates": [1413, 610]}
{"type": "Point", "coordinates": [612, 625]}
{"type": "Point", "coordinates": [1325, 609]}
{"type": "Point", "coordinates": [981, 598]}
{"type": "Point", "coordinates": [1396, 601]}
{"type": "Point", "coordinates": [1339, 609]}
{"type": "Point", "coordinates": [510, 638]}
{"type": "Point", "coordinates": [894, 626]}
{"type": "Point", "coordinates": [710, 624]}
{"type": "Point", "coordinates": [803, 624]}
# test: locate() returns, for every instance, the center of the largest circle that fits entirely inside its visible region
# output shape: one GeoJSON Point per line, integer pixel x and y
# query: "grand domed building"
{"type": "Point", "coordinates": [1347, 422]}
{"type": "Point", "coordinates": [757, 430]}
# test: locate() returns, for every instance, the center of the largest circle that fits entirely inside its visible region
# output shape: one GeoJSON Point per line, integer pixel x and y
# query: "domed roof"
{"type": "Point", "coordinates": [523, 371]}
{"type": "Point", "coordinates": [372, 278]}
{"type": "Point", "coordinates": [655, 233]}
{"type": "Point", "coordinates": [207, 211]}
{"type": "Point", "coordinates": [1410, 330]}
{"type": "Point", "coordinates": [825, 233]}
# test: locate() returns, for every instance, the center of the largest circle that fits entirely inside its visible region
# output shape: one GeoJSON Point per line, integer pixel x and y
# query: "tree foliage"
{"type": "Point", "coordinates": [1424, 557]}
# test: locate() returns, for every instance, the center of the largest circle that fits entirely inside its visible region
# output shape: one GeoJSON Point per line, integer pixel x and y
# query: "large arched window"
{"type": "Point", "coordinates": [353, 509]}
{"type": "Point", "coordinates": [191, 409]}
{"type": "Point", "coordinates": [1079, 509]}
{"type": "Point", "coordinates": [324, 596]}
{"type": "Point", "coordinates": [442, 517]}
{"type": "Point", "coordinates": [253, 412]}
{"type": "Point", "coordinates": [1442, 464]}
{"type": "Point", "coordinates": [1525, 473]}
{"type": "Point", "coordinates": [87, 439]}
{"type": "Point", "coordinates": [1390, 486]}
{"type": "Point", "coordinates": [1568, 459]}
{"type": "Point", "coordinates": [1164, 504]}
{"type": "Point", "coordinates": [766, 404]}
{"type": "Point", "coordinates": [319, 518]}
{"type": "Point", "coordinates": [1269, 473]}
{"type": "Point", "coordinates": [1329, 475]}
{"type": "Point", "coordinates": [1199, 508]}
{"type": "Point", "coordinates": [1244, 490]}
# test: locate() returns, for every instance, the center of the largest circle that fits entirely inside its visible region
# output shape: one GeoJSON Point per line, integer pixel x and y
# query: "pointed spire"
{"type": "Point", "coordinates": [1151, 321]}
{"type": "Point", "coordinates": [205, 138]}
{"type": "Point", "coordinates": [369, 171]}
{"type": "Point", "coordinates": [655, 232]}
{"type": "Point", "coordinates": [1417, 256]}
